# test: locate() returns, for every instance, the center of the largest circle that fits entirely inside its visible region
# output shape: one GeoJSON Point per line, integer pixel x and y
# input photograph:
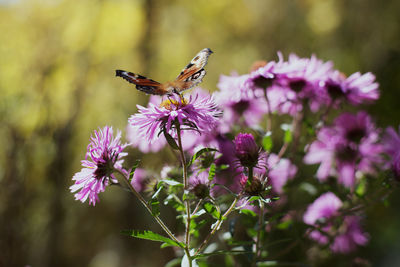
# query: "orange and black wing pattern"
{"type": "Point", "coordinates": [142, 83]}
{"type": "Point", "coordinates": [194, 72]}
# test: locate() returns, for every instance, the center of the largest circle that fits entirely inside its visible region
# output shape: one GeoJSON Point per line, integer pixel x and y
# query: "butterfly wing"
{"type": "Point", "coordinates": [194, 72]}
{"type": "Point", "coordinates": [142, 83]}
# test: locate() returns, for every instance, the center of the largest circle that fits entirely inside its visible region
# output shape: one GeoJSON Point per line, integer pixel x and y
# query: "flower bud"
{"type": "Point", "coordinates": [247, 150]}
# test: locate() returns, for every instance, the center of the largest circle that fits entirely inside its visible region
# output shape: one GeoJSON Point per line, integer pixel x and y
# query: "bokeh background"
{"type": "Point", "coordinates": [57, 84]}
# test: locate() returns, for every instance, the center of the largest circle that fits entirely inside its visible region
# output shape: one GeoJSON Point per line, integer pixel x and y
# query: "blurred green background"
{"type": "Point", "coordinates": [57, 84]}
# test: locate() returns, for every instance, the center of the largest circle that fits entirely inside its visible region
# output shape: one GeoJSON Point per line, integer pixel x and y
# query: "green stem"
{"type": "Point", "coordinates": [217, 226]}
{"type": "Point", "coordinates": [186, 185]}
{"type": "Point", "coordinates": [260, 230]}
{"type": "Point", "coordinates": [147, 206]}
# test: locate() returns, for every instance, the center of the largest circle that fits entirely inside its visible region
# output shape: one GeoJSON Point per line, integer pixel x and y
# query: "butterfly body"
{"type": "Point", "coordinates": [189, 77]}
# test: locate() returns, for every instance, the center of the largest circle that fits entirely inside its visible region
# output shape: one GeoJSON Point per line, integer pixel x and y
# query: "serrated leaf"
{"type": "Point", "coordinates": [155, 206]}
{"type": "Point", "coordinates": [267, 142]}
{"type": "Point", "coordinates": [170, 140]}
{"type": "Point", "coordinates": [200, 152]}
{"type": "Point", "coordinates": [133, 169]}
{"type": "Point", "coordinates": [211, 172]}
{"type": "Point", "coordinates": [211, 210]}
{"type": "Point", "coordinates": [149, 235]}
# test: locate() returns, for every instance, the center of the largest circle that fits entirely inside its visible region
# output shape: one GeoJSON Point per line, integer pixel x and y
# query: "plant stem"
{"type": "Point", "coordinates": [260, 231]}
{"type": "Point", "coordinates": [185, 182]}
{"type": "Point", "coordinates": [217, 226]}
{"type": "Point", "coordinates": [143, 201]}
{"type": "Point", "coordinates": [250, 178]}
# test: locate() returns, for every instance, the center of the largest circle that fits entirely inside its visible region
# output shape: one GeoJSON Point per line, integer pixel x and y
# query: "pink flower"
{"type": "Point", "coordinates": [198, 113]}
{"type": "Point", "coordinates": [348, 146]}
{"type": "Point", "coordinates": [350, 235]}
{"type": "Point", "coordinates": [103, 156]}
{"type": "Point", "coordinates": [357, 88]}
{"type": "Point", "coordinates": [246, 150]}
{"type": "Point", "coordinates": [323, 208]}
{"type": "Point", "coordinates": [238, 102]}
{"type": "Point", "coordinates": [280, 172]}
{"type": "Point", "coordinates": [139, 180]}
{"type": "Point", "coordinates": [391, 144]}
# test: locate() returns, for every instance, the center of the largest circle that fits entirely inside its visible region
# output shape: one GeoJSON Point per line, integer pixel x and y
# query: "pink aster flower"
{"type": "Point", "coordinates": [198, 113]}
{"type": "Point", "coordinates": [280, 172]}
{"type": "Point", "coordinates": [139, 180]}
{"type": "Point", "coordinates": [323, 208]}
{"type": "Point", "coordinates": [239, 103]}
{"type": "Point", "coordinates": [303, 76]}
{"type": "Point", "coordinates": [357, 88]}
{"type": "Point", "coordinates": [348, 146]}
{"type": "Point", "coordinates": [349, 236]}
{"type": "Point", "coordinates": [103, 156]}
{"type": "Point", "coordinates": [391, 144]}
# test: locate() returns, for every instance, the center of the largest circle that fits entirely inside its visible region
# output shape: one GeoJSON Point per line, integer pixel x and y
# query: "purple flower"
{"type": "Point", "coordinates": [350, 235]}
{"type": "Point", "coordinates": [198, 113]}
{"type": "Point", "coordinates": [199, 185]}
{"type": "Point", "coordinates": [247, 150]}
{"type": "Point", "coordinates": [280, 172]}
{"type": "Point", "coordinates": [303, 76]}
{"type": "Point", "coordinates": [357, 88]}
{"type": "Point", "coordinates": [391, 142]}
{"type": "Point", "coordinates": [239, 103]}
{"type": "Point", "coordinates": [103, 156]}
{"type": "Point", "coordinates": [133, 133]}
{"type": "Point", "coordinates": [323, 208]}
{"type": "Point", "coordinates": [348, 146]}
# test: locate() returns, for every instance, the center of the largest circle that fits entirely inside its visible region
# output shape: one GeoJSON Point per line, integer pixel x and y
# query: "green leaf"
{"type": "Point", "coordinates": [149, 235]}
{"type": "Point", "coordinates": [267, 141]}
{"type": "Point", "coordinates": [171, 182]}
{"type": "Point", "coordinates": [248, 212]}
{"type": "Point", "coordinates": [174, 201]}
{"type": "Point", "coordinates": [284, 225]}
{"type": "Point", "coordinates": [254, 198]}
{"type": "Point", "coordinates": [267, 263]}
{"type": "Point", "coordinates": [170, 140]}
{"type": "Point", "coordinates": [288, 133]}
{"type": "Point", "coordinates": [132, 172]}
{"type": "Point", "coordinates": [200, 152]}
{"type": "Point", "coordinates": [361, 188]}
{"type": "Point", "coordinates": [155, 206]}
{"type": "Point", "coordinates": [211, 172]}
{"type": "Point", "coordinates": [160, 187]}
{"type": "Point", "coordinates": [212, 210]}
{"type": "Point", "coordinates": [174, 263]}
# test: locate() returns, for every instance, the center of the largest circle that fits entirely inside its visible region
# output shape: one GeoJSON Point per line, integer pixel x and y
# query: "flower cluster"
{"type": "Point", "coordinates": [322, 215]}
{"type": "Point", "coordinates": [233, 156]}
{"type": "Point", "coordinates": [288, 86]}
{"type": "Point", "coordinates": [350, 145]}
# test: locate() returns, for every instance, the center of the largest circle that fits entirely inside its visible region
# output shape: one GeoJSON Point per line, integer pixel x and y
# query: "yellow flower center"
{"type": "Point", "coordinates": [168, 102]}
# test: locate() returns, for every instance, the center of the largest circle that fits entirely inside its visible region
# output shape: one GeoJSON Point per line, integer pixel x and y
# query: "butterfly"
{"type": "Point", "coordinates": [189, 77]}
